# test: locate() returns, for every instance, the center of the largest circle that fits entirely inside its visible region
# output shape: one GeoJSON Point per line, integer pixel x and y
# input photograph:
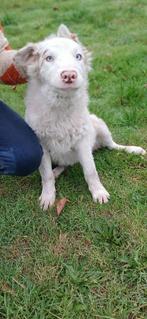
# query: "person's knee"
{"type": "Point", "coordinates": [20, 162]}
{"type": "Point", "coordinates": [29, 160]}
{"type": "Point", "coordinates": [20, 151]}
{"type": "Point", "coordinates": [7, 161]}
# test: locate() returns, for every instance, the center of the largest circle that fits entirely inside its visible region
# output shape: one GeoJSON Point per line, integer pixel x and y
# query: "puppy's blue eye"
{"type": "Point", "coordinates": [49, 58]}
{"type": "Point", "coordinates": [79, 56]}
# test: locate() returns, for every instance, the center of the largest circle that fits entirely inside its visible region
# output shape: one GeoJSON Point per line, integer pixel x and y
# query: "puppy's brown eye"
{"type": "Point", "coordinates": [49, 58]}
{"type": "Point", "coordinates": [79, 56]}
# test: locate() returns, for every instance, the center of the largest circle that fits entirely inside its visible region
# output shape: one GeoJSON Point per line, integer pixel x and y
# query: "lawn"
{"type": "Point", "coordinates": [91, 261]}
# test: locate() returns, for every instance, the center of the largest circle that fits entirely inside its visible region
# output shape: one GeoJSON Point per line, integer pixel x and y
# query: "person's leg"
{"type": "Point", "coordinates": [20, 151]}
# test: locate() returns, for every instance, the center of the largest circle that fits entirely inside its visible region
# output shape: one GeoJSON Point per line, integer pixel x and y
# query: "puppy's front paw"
{"type": "Point", "coordinates": [101, 195]}
{"type": "Point", "coordinates": [47, 199]}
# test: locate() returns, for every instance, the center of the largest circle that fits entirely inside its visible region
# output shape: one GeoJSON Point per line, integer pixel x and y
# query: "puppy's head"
{"type": "Point", "coordinates": [59, 61]}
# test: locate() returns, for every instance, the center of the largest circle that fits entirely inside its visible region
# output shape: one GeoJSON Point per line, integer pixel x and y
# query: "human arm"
{"type": "Point", "coordinates": [9, 73]}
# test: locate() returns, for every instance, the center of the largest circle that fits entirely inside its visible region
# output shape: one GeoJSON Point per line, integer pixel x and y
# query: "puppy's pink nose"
{"type": "Point", "coordinates": [68, 76]}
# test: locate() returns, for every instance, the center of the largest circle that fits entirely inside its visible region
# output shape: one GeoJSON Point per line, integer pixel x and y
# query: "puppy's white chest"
{"type": "Point", "coordinates": [63, 135]}
{"type": "Point", "coordinates": [60, 123]}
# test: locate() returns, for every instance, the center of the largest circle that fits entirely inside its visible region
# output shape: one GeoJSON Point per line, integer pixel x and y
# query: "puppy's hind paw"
{"type": "Point", "coordinates": [101, 196]}
{"type": "Point", "coordinates": [136, 150]}
{"type": "Point", "coordinates": [57, 171]}
{"type": "Point", "coordinates": [46, 200]}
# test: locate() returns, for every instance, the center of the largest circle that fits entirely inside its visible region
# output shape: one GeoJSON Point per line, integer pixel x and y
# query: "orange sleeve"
{"type": "Point", "coordinates": [9, 74]}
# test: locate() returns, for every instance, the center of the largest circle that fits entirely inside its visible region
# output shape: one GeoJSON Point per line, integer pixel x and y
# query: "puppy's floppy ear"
{"type": "Point", "coordinates": [26, 56]}
{"type": "Point", "coordinates": [64, 32]}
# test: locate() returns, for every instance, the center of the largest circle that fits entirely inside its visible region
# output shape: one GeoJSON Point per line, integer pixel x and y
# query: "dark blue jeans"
{"type": "Point", "coordinates": [20, 151]}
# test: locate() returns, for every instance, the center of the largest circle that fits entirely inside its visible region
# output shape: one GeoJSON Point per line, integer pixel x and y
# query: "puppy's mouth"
{"type": "Point", "coordinates": [69, 82]}
{"type": "Point", "coordinates": [68, 86]}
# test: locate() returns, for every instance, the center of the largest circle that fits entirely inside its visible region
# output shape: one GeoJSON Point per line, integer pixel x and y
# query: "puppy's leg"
{"type": "Point", "coordinates": [86, 160]}
{"type": "Point", "coordinates": [127, 148]}
{"type": "Point", "coordinates": [48, 194]}
{"type": "Point", "coordinates": [57, 171]}
{"type": "Point", "coordinates": [104, 138]}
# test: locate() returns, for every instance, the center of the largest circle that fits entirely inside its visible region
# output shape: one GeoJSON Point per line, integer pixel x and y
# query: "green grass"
{"type": "Point", "coordinates": [91, 262]}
